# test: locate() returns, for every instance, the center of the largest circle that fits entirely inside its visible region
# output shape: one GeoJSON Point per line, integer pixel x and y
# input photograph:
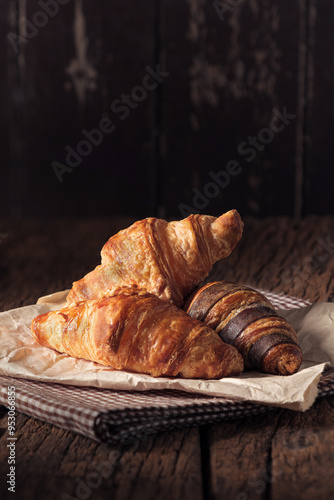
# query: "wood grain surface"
{"type": "Point", "coordinates": [319, 120]}
{"type": "Point", "coordinates": [230, 64]}
{"type": "Point", "coordinates": [230, 68]}
{"type": "Point", "coordinates": [280, 455]}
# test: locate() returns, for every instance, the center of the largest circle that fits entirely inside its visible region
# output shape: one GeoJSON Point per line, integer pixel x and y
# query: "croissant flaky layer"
{"type": "Point", "coordinates": [247, 320]}
{"type": "Point", "coordinates": [167, 259]}
{"type": "Point", "coordinates": [136, 331]}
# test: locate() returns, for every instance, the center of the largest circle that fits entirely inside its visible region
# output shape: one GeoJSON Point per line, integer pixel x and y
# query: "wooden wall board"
{"type": "Point", "coordinates": [225, 441]}
{"type": "Point", "coordinates": [53, 464]}
{"type": "Point", "coordinates": [226, 78]}
{"type": "Point", "coordinates": [4, 116]}
{"type": "Point", "coordinates": [301, 441]}
{"type": "Point", "coordinates": [77, 66]}
{"type": "Point", "coordinates": [282, 454]}
{"type": "Point", "coordinates": [319, 125]}
{"type": "Point", "coordinates": [227, 66]}
{"type": "Point", "coordinates": [12, 182]}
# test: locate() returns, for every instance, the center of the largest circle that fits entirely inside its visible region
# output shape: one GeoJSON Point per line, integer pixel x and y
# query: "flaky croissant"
{"type": "Point", "coordinates": [136, 331]}
{"type": "Point", "coordinates": [247, 320]}
{"type": "Point", "coordinates": [166, 258]}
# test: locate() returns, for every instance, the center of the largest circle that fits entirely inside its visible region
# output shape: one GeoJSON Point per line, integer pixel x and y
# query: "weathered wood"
{"type": "Point", "coordinates": [40, 257]}
{"type": "Point", "coordinates": [286, 455]}
{"type": "Point", "coordinates": [302, 454]}
{"type": "Point", "coordinates": [296, 258]}
{"type": "Point", "coordinates": [4, 116]}
{"type": "Point", "coordinates": [238, 460]}
{"type": "Point", "coordinates": [229, 69]}
{"type": "Point", "coordinates": [48, 460]}
{"type": "Point", "coordinates": [239, 454]}
{"type": "Point", "coordinates": [12, 184]}
{"type": "Point", "coordinates": [230, 65]}
{"type": "Point", "coordinates": [79, 63]}
{"type": "Point", "coordinates": [283, 255]}
{"type": "Point", "coordinates": [319, 124]}
{"type": "Point", "coordinates": [168, 466]}
{"type": "Point", "coordinates": [52, 463]}
{"type": "Point", "coordinates": [278, 254]}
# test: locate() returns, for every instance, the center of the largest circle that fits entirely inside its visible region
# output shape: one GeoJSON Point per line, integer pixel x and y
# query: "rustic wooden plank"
{"type": "Point", "coordinates": [239, 454]}
{"type": "Point", "coordinates": [298, 259]}
{"type": "Point", "coordinates": [56, 464]}
{"type": "Point", "coordinates": [227, 76]}
{"type": "Point", "coordinates": [277, 254]}
{"type": "Point", "coordinates": [319, 126]}
{"type": "Point", "coordinates": [302, 454]}
{"type": "Point", "coordinates": [40, 257]}
{"type": "Point", "coordinates": [4, 116]}
{"type": "Point", "coordinates": [168, 466]}
{"type": "Point", "coordinates": [48, 460]}
{"type": "Point", "coordinates": [80, 62]}
{"type": "Point", "coordinates": [12, 144]}
{"type": "Point", "coordinates": [288, 455]}
{"type": "Point", "coordinates": [282, 255]}
{"type": "Point", "coordinates": [52, 254]}
{"type": "Point", "coordinates": [238, 458]}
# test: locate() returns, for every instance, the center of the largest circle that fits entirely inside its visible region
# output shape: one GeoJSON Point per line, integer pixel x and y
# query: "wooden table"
{"type": "Point", "coordinates": [282, 455]}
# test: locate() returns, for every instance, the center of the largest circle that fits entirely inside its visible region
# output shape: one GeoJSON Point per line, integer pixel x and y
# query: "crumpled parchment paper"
{"type": "Point", "coordinates": [22, 357]}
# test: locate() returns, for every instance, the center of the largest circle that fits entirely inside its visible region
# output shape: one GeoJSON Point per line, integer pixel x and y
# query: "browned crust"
{"type": "Point", "coordinates": [200, 302]}
{"type": "Point", "coordinates": [247, 320]}
{"type": "Point", "coordinates": [264, 352]}
{"type": "Point", "coordinates": [229, 306]}
{"type": "Point", "coordinates": [283, 359]}
{"type": "Point", "coordinates": [230, 332]}
{"type": "Point", "coordinates": [167, 259]}
{"type": "Point", "coordinates": [136, 331]}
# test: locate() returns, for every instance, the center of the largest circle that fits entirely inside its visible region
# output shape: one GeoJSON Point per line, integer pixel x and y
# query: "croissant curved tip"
{"type": "Point", "coordinates": [227, 231]}
{"type": "Point", "coordinates": [289, 366]}
{"type": "Point", "coordinates": [283, 359]}
{"type": "Point", "coordinates": [232, 220]}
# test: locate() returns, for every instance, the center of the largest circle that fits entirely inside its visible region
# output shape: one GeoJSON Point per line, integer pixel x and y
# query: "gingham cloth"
{"type": "Point", "coordinates": [125, 416]}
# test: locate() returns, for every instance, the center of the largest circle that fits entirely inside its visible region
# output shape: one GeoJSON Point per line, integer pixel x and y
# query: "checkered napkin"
{"type": "Point", "coordinates": [125, 416]}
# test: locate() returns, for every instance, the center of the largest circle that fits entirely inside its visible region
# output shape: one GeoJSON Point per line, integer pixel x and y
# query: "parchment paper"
{"type": "Point", "coordinates": [22, 357]}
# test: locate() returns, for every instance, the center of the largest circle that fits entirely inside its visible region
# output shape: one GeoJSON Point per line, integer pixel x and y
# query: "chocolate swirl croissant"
{"type": "Point", "coordinates": [136, 331]}
{"type": "Point", "coordinates": [166, 258]}
{"type": "Point", "coordinates": [245, 319]}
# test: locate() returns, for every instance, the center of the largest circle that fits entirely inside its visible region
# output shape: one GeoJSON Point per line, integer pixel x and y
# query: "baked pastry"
{"type": "Point", "coordinates": [167, 259]}
{"type": "Point", "coordinates": [136, 331]}
{"type": "Point", "coordinates": [247, 320]}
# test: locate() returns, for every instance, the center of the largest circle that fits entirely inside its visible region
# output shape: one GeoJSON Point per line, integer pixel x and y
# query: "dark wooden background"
{"type": "Point", "coordinates": [229, 64]}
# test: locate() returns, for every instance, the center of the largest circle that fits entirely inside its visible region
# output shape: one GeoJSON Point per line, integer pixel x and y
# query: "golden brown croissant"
{"type": "Point", "coordinates": [245, 319]}
{"type": "Point", "coordinates": [136, 331]}
{"type": "Point", "coordinates": [166, 258]}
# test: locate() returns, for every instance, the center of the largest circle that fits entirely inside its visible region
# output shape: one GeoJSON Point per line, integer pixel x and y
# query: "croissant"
{"type": "Point", "coordinates": [247, 320]}
{"type": "Point", "coordinates": [167, 259]}
{"type": "Point", "coordinates": [136, 331]}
